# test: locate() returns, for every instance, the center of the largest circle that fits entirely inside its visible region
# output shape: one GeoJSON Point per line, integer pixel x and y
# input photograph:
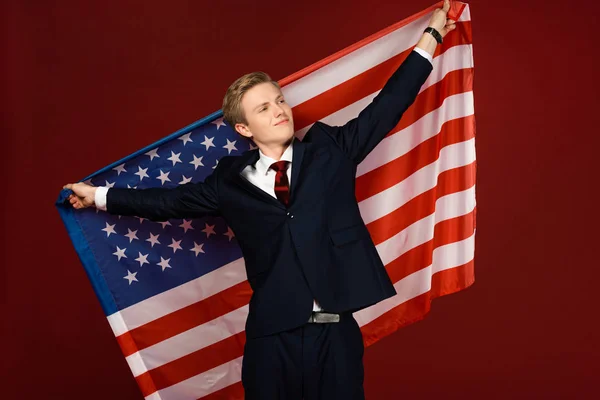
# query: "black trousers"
{"type": "Point", "coordinates": [312, 362]}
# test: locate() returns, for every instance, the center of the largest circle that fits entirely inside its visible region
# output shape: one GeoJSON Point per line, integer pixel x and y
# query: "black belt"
{"type": "Point", "coordinates": [321, 317]}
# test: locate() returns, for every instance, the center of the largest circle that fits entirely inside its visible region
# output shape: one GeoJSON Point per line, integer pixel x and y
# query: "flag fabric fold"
{"type": "Point", "coordinates": [175, 293]}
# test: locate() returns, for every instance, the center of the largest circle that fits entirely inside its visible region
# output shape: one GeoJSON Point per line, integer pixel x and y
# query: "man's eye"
{"type": "Point", "coordinates": [262, 109]}
{"type": "Point", "coordinates": [282, 101]}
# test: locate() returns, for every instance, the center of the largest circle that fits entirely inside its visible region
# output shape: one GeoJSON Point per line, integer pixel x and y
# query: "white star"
{"type": "Point", "coordinates": [252, 146]}
{"type": "Point", "coordinates": [229, 234]}
{"type": "Point", "coordinates": [129, 187]}
{"type": "Point", "coordinates": [164, 263]}
{"type": "Point", "coordinates": [175, 245]}
{"type": "Point", "coordinates": [131, 276]}
{"type": "Point", "coordinates": [174, 158]}
{"type": "Point", "coordinates": [153, 239]}
{"type": "Point", "coordinates": [165, 223]}
{"type": "Point", "coordinates": [152, 154]}
{"type": "Point", "coordinates": [216, 163]}
{"type": "Point", "coordinates": [163, 177]}
{"type": "Point", "coordinates": [185, 180]}
{"type": "Point", "coordinates": [208, 142]}
{"type": "Point", "coordinates": [230, 146]}
{"type": "Point", "coordinates": [131, 235]}
{"type": "Point", "coordinates": [108, 184]}
{"type": "Point", "coordinates": [186, 138]}
{"type": "Point", "coordinates": [209, 229]}
{"type": "Point", "coordinates": [197, 162]}
{"type": "Point", "coordinates": [89, 182]}
{"type": "Point", "coordinates": [109, 229]}
{"type": "Point", "coordinates": [142, 219]}
{"type": "Point", "coordinates": [142, 259]}
{"type": "Point", "coordinates": [142, 173]}
{"type": "Point", "coordinates": [219, 123]}
{"type": "Point", "coordinates": [119, 169]}
{"type": "Point", "coordinates": [197, 248]}
{"type": "Point", "coordinates": [120, 253]}
{"type": "Point", "coordinates": [186, 225]}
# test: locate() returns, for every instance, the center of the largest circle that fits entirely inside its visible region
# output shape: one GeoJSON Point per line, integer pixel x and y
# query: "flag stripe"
{"type": "Point", "coordinates": [185, 318]}
{"type": "Point", "coordinates": [186, 342]}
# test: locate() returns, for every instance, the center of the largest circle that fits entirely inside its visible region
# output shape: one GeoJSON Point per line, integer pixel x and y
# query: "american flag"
{"type": "Point", "coordinates": [175, 293]}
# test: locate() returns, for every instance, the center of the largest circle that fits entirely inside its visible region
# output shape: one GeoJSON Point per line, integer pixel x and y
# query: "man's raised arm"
{"type": "Point", "coordinates": [359, 136]}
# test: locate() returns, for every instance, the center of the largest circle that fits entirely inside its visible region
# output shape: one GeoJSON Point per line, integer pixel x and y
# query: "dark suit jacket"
{"type": "Point", "coordinates": [317, 247]}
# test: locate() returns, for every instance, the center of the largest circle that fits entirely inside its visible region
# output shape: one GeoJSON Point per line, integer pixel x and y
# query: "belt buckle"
{"type": "Point", "coordinates": [319, 317]}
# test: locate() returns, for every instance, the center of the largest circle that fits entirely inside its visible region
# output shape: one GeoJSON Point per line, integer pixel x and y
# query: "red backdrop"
{"type": "Point", "coordinates": [87, 83]}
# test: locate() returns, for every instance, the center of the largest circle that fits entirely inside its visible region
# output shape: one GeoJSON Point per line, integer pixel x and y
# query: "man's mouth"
{"type": "Point", "coordinates": [285, 121]}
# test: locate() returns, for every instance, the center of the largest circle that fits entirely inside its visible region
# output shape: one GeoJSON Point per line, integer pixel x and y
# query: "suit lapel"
{"type": "Point", "coordinates": [250, 158]}
{"type": "Point", "coordinates": [297, 157]}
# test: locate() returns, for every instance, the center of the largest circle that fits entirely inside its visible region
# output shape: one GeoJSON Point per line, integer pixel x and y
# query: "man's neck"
{"type": "Point", "coordinates": [274, 151]}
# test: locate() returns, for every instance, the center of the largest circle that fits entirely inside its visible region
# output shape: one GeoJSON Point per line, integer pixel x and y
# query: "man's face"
{"type": "Point", "coordinates": [269, 116]}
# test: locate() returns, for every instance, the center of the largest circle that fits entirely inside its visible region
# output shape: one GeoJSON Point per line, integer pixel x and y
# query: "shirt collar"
{"type": "Point", "coordinates": [264, 162]}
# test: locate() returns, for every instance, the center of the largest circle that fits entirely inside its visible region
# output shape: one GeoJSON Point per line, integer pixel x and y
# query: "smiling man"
{"type": "Point", "coordinates": [309, 257]}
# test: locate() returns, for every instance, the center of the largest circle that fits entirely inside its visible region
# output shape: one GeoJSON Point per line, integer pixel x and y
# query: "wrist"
{"type": "Point", "coordinates": [434, 33]}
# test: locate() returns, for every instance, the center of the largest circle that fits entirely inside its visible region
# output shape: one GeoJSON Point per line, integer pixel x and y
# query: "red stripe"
{"type": "Point", "coordinates": [417, 258]}
{"type": "Point", "coordinates": [186, 318]}
{"type": "Point", "coordinates": [358, 87]}
{"type": "Point", "coordinates": [451, 181]}
{"type": "Point", "coordinates": [192, 364]}
{"type": "Point", "coordinates": [231, 392]}
{"type": "Point", "coordinates": [442, 283]}
{"type": "Point", "coordinates": [394, 172]}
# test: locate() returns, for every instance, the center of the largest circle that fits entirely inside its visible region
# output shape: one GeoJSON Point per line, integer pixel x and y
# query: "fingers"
{"type": "Point", "coordinates": [446, 6]}
{"type": "Point", "coordinates": [68, 186]}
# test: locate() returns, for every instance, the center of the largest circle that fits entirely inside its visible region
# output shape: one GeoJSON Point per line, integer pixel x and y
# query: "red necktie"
{"type": "Point", "coordinates": [282, 185]}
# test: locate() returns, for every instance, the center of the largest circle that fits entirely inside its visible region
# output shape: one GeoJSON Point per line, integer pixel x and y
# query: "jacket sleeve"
{"type": "Point", "coordinates": [359, 136]}
{"type": "Point", "coordinates": [191, 200]}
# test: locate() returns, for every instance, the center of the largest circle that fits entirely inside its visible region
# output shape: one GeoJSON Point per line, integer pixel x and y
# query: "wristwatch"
{"type": "Point", "coordinates": [434, 33]}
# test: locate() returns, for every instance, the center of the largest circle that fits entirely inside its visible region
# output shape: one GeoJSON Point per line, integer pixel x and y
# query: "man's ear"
{"type": "Point", "coordinates": [243, 130]}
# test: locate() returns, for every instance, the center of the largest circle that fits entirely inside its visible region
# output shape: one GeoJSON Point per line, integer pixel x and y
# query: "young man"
{"type": "Point", "coordinates": [309, 257]}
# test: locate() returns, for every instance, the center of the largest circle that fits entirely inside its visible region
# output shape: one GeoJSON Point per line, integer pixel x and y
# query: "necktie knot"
{"type": "Point", "coordinates": [279, 165]}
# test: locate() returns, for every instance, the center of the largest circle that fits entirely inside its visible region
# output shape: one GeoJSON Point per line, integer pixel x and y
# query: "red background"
{"type": "Point", "coordinates": [87, 83]}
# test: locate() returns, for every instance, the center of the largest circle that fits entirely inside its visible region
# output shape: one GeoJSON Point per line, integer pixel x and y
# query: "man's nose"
{"type": "Point", "coordinates": [277, 110]}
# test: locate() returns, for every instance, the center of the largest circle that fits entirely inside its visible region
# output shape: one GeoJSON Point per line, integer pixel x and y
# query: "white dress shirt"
{"type": "Point", "coordinates": [259, 174]}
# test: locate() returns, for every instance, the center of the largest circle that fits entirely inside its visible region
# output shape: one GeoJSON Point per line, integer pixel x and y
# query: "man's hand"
{"type": "Point", "coordinates": [83, 195]}
{"type": "Point", "coordinates": [439, 20]}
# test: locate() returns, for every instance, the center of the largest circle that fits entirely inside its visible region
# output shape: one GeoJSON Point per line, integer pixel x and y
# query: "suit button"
{"type": "Point", "coordinates": [290, 215]}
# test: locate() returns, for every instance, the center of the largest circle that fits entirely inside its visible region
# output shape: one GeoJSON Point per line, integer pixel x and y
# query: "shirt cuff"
{"type": "Point", "coordinates": [424, 54]}
{"type": "Point", "coordinates": [100, 197]}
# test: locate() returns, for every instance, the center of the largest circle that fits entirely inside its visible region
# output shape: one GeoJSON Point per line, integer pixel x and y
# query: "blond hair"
{"type": "Point", "coordinates": [232, 102]}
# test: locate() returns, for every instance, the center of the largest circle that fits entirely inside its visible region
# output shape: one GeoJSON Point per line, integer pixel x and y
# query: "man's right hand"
{"type": "Point", "coordinates": [83, 195]}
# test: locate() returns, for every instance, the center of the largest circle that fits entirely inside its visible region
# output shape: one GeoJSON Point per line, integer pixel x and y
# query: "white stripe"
{"type": "Point", "coordinates": [454, 59]}
{"type": "Point", "coordinates": [177, 298]}
{"type": "Point", "coordinates": [419, 282]}
{"type": "Point", "coordinates": [420, 232]}
{"type": "Point", "coordinates": [381, 204]}
{"type": "Point", "coordinates": [355, 63]}
{"type": "Point", "coordinates": [456, 106]}
{"type": "Point", "coordinates": [466, 14]}
{"type": "Point", "coordinates": [203, 384]}
{"type": "Point", "coordinates": [188, 342]}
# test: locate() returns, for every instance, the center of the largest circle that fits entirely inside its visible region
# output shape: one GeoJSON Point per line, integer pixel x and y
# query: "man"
{"type": "Point", "coordinates": [309, 257]}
